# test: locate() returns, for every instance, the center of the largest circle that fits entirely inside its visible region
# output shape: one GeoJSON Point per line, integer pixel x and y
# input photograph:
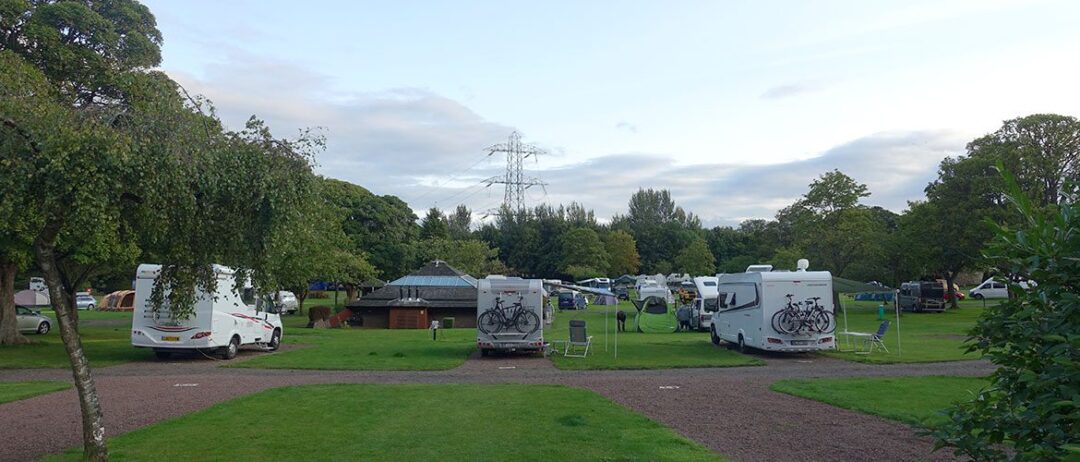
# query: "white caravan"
{"type": "Point", "coordinates": [222, 321]}
{"type": "Point", "coordinates": [509, 314]}
{"type": "Point", "coordinates": [750, 303]}
{"type": "Point", "coordinates": [705, 304]}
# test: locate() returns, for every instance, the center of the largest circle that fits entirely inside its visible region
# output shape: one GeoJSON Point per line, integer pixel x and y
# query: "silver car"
{"type": "Point", "coordinates": [31, 321]}
{"type": "Point", "coordinates": [85, 301]}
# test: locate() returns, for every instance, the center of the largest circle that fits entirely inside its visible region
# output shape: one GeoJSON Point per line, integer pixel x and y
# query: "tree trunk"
{"type": "Point", "coordinates": [950, 276]}
{"type": "Point", "coordinates": [301, 295]}
{"type": "Point", "coordinates": [9, 324]}
{"type": "Point", "coordinates": [93, 424]}
{"type": "Point", "coordinates": [350, 292]}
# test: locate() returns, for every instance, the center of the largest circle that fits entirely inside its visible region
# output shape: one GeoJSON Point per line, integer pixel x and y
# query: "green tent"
{"type": "Point", "coordinates": [654, 316]}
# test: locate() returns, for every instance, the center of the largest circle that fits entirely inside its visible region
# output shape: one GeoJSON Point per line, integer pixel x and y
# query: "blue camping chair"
{"type": "Point", "coordinates": [874, 341]}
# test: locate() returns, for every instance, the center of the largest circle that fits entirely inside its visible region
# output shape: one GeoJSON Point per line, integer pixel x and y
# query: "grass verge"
{"type": "Point", "coordinates": [411, 422]}
{"type": "Point", "coordinates": [14, 391]}
{"type": "Point", "coordinates": [912, 400]}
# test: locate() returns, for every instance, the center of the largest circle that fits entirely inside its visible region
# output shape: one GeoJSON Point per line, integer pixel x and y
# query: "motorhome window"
{"type": "Point", "coordinates": [998, 285]}
{"type": "Point", "coordinates": [248, 296]}
{"type": "Point", "coordinates": [739, 295]}
{"type": "Point", "coordinates": [710, 284]}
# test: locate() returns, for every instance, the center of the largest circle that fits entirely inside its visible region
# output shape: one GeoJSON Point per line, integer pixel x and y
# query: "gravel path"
{"type": "Point", "coordinates": [730, 410]}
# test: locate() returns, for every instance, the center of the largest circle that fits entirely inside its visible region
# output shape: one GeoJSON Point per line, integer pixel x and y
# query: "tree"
{"type": "Point", "coordinates": [696, 259]}
{"type": "Point", "coordinates": [118, 160]}
{"type": "Point", "coordinates": [622, 252]}
{"type": "Point", "coordinates": [459, 223]}
{"type": "Point", "coordinates": [833, 191]}
{"type": "Point", "coordinates": [1031, 404]}
{"type": "Point", "coordinates": [470, 256]}
{"type": "Point", "coordinates": [381, 227]}
{"type": "Point", "coordinates": [660, 227]}
{"type": "Point", "coordinates": [583, 254]}
{"type": "Point", "coordinates": [1042, 151]}
{"type": "Point", "coordinates": [434, 226]}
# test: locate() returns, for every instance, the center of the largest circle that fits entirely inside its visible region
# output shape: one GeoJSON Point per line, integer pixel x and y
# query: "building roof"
{"type": "Point", "coordinates": [436, 284]}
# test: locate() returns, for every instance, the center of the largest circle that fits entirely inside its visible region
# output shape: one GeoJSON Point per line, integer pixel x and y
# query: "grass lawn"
{"type": "Point", "coordinates": [14, 391]}
{"type": "Point", "coordinates": [637, 350]}
{"type": "Point", "coordinates": [924, 337]}
{"type": "Point", "coordinates": [105, 346]}
{"type": "Point", "coordinates": [912, 400]}
{"type": "Point", "coordinates": [410, 422]}
{"type": "Point", "coordinates": [367, 349]}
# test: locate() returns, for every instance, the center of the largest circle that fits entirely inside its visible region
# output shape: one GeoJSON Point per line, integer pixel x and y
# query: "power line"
{"type": "Point", "coordinates": [454, 176]}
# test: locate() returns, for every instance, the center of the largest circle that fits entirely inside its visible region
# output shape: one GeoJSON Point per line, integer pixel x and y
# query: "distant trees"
{"type": "Point", "coordinates": [622, 253]}
{"type": "Point", "coordinates": [696, 259]}
{"type": "Point", "coordinates": [582, 254]}
{"type": "Point", "coordinates": [661, 228]}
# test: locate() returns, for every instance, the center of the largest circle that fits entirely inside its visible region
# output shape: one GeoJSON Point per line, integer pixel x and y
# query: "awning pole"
{"type": "Point", "coordinates": [896, 307]}
{"type": "Point", "coordinates": [607, 309]}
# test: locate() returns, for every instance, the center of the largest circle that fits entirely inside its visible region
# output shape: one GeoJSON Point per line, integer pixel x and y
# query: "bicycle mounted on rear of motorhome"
{"type": "Point", "coordinates": [496, 319]}
{"type": "Point", "coordinates": [803, 317]}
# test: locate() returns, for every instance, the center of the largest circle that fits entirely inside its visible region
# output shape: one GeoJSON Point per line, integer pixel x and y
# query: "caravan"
{"type": "Point", "coordinates": [775, 310]}
{"type": "Point", "coordinates": [221, 321]}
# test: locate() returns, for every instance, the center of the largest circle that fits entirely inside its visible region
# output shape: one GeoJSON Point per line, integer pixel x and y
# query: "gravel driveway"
{"type": "Point", "coordinates": [730, 410]}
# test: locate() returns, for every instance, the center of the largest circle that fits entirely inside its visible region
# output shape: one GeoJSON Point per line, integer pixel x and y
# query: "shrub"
{"type": "Point", "coordinates": [319, 313]}
{"type": "Point", "coordinates": [1033, 402]}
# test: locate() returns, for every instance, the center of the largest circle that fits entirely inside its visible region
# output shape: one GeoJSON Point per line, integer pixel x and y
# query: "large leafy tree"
{"type": "Point", "coordinates": [1033, 401]}
{"type": "Point", "coordinates": [470, 256]}
{"type": "Point", "coordinates": [696, 259]}
{"type": "Point", "coordinates": [120, 163]}
{"type": "Point", "coordinates": [660, 227]}
{"type": "Point", "coordinates": [434, 225]}
{"type": "Point", "coordinates": [622, 253]}
{"type": "Point", "coordinates": [583, 254]}
{"type": "Point", "coordinates": [382, 227]}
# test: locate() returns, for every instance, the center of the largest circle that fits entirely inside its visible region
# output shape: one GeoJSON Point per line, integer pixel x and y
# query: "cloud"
{"type": "Point", "coordinates": [624, 125]}
{"type": "Point", "coordinates": [430, 150]}
{"type": "Point", "coordinates": [790, 90]}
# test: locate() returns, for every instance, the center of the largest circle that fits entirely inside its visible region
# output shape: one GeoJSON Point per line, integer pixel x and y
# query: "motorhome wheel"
{"type": "Point", "coordinates": [715, 338]}
{"type": "Point", "coordinates": [742, 345]}
{"type": "Point", "coordinates": [275, 340]}
{"type": "Point", "coordinates": [232, 349]}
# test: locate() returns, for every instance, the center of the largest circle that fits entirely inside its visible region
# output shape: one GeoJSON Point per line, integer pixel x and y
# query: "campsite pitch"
{"type": "Point", "coordinates": [411, 422]}
{"type": "Point", "coordinates": [638, 350]}
{"type": "Point", "coordinates": [912, 400]}
{"type": "Point", "coordinates": [924, 337]}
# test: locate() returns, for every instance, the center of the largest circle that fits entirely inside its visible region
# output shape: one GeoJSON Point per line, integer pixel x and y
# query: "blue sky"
{"type": "Point", "coordinates": [734, 106]}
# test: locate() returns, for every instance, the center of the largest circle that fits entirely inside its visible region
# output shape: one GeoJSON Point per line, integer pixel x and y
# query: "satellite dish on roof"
{"type": "Point", "coordinates": [802, 264]}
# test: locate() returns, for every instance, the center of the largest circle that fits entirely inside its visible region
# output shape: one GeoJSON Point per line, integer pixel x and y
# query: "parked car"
{"type": "Point", "coordinates": [922, 296]}
{"type": "Point", "coordinates": [992, 289]}
{"type": "Point", "coordinates": [288, 302]}
{"type": "Point", "coordinates": [85, 301]}
{"type": "Point", "coordinates": [956, 288]}
{"type": "Point", "coordinates": [32, 321]}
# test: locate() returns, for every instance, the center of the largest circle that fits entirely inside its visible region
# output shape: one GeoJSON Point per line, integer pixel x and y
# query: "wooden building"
{"type": "Point", "coordinates": [436, 291]}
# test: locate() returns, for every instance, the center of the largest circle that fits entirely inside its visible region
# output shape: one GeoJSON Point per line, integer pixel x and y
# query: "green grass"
{"type": "Point", "coordinates": [637, 350]}
{"type": "Point", "coordinates": [104, 346]}
{"type": "Point", "coordinates": [368, 349]}
{"type": "Point", "coordinates": [14, 391]}
{"type": "Point", "coordinates": [912, 400]}
{"type": "Point", "coordinates": [410, 422]}
{"type": "Point", "coordinates": [924, 337]}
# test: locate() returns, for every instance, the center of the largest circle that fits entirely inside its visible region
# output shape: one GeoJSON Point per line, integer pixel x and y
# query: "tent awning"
{"type": "Point", "coordinates": [848, 286]}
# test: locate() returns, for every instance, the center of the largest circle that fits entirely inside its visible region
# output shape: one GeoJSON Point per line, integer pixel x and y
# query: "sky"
{"type": "Point", "coordinates": [735, 106]}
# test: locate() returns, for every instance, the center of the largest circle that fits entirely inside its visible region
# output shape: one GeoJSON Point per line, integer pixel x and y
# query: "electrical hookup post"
{"type": "Point", "coordinates": [434, 330]}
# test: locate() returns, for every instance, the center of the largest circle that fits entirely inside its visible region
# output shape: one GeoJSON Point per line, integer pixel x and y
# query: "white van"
{"type": "Point", "coordinates": [705, 304]}
{"type": "Point", "coordinates": [221, 322]}
{"type": "Point", "coordinates": [992, 289]}
{"type": "Point", "coordinates": [750, 303]}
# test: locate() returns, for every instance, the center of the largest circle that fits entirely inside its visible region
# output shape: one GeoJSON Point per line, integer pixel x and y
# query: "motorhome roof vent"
{"type": "Point", "coordinates": [758, 268]}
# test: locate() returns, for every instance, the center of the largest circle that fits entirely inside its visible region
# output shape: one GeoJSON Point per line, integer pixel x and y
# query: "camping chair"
{"type": "Point", "coordinates": [578, 339]}
{"type": "Point", "coordinates": [875, 339]}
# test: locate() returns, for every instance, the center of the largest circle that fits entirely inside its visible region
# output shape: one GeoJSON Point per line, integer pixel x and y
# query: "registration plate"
{"type": "Point", "coordinates": [170, 338]}
{"type": "Point", "coordinates": [800, 342]}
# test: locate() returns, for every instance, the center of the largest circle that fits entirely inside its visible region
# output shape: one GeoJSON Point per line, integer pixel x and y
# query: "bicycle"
{"type": "Point", "coordinates": [496, 319]}
{"type": "Point", "coordinates": [820, 320]}
{"type": "Point", "coordinates": [788, 320]}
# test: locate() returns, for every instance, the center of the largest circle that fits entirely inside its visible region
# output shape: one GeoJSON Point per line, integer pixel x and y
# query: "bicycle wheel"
{"type": "Point", "coordinates": [488, 323]}
{"type": "Point", "coordinates": [823, 322]}
{"type": "Point", "coordinates": [791, 322]}
{"type": "Point", "coordinates": [776, 324]}
{"type": "Point", "coordinates": [527, 322]}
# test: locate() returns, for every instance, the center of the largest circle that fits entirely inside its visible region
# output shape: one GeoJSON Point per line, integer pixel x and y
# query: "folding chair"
{"type": "Point", "coordinates": [578, 339]}
{"type": "Point", "coordinates": [875, 340]}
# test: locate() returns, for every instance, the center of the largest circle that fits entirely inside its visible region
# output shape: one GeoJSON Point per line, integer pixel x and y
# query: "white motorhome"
{"type": "Point", "coordinates": [705, 304]}
{"type": "Point", "coordinates": [38, 285]}
{"type": "Point", "coordinates": [509, 314]}
{"type": "Point", "coordinates": [749, 304]}
{"type": "Point", "coordinates": [222, 321]}
{"type": "Point", "coordinates": [656, 291]}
